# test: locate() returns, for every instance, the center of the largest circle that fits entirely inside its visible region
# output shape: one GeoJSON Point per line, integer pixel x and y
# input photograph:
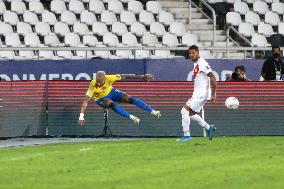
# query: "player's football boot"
{"type": "Point", "coordinates": [156, 113]}
{"type": "Point", "coordinates": [135, 119]}
{"type": "Point", "coordinates": [184, 139]}
{"type": "Point", "coordinates": [210, 132]}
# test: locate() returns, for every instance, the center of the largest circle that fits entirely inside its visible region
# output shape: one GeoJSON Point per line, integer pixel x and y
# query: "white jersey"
{"type": "Point", "coordinates": [202, 87]}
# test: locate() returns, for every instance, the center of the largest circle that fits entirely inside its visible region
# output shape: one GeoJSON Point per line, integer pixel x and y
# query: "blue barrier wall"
{"type": "Point", "coordinates": [163, 70]}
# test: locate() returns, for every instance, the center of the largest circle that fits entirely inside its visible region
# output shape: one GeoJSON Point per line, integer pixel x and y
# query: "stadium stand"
{"type": "Point", "coordinates": [123, 23]}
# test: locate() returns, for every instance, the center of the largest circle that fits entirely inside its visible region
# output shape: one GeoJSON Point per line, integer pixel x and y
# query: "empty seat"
{"type": "Point", "coordinates": [27, 55]}
{"type": "Point", "coordinates": [260, 7]}
{"type": "Point", "coordinates": [87, 17]}
{"type": "Point", "coordinates": [278, 8]}
{"type": "Point", "coordinates": [157, 29]}
{"type": "Point", "coordinates": [110, 39]}
{"type": "Point", "coordinates": [80, 28]}
{"type": "Point", "coordinates": [18, 7]}
{"type": "Point", "coordinates": [162, 54]}
{"type": "Point", "coordinates": [189, 39]}
{"type": "Point", "coordinates": [272, 18]}
{"type": "Point", "coordinates": [119, 28]}
{"type": "Point", "coordinates": [96, 6]}
{"type": "Point", "coordinates": [68, 17]}
{"type": "Point", "coordinates": [99, 28]}
{"type": "Point", "coordinates": [129, 39]}
{"type": "Point", "coordinates": [281, 28]}
{"type": "Point", "coordinates": [233, 18]}
{"type": "Point", "coordinates": [5, 28]}
{"type": "Point", "coordinates": [166, 18]}
{"type": "Point", "coordinates": [57, 6]}
{"type": "Point", "coordinates": [45, 55]}
{"type": "Point", "coordinates": [30, 17]}
{"type": "Point", "coordinates": [24, 28]}
{"type": "Point", "coordinates": [127, 54]}
{"type": "Point", "coordinates": [108, 17]}
{"type": "Point", "coordinates": [32, 40]}
{"type": "Point", "coordinates": [115, 6]}
{"type": "Point", "coordinates": [249, 1]}
{"type": "Point", "coordinates": [72, 40]}
{"type": "Point", "coordinates": [52, 41]}
{"type": "Point", "coordinates": [48, 17]}
{"type": "Point", "coordinates": [135, 6]}
{"type": "Point", "coordinates": [153, 7]}
{"type": "Point", "coordinates": [36, 7]}
{"type": "Point", "coordinates": [84, 54]}
{"type": "Point", "coordinates": [42, 28]}
{"type": "Point", "coordinates": [13, 40]}
{"type": "Point", "coordinates": [170, 40]}
{"type": "Point", "coordinates": [259, 40]}
{"type": "Point", "coordinates": [265, 29]}
{"type": "Point", "coordinates": [146, 18]}
{"type": "Point", "coordinates": [90, 40]}
{"type": "Point", "coordinates": [102, 53]}
{"type": "Point", "coordinates": [149, 39]}
{"type": "Point", "coordinates": [127, 17]}
{"type": "Point", "coordinates": [252, 17]}
{"type": "Point", "coordinates": [140, 54]}
{"type": "Point", "coordinates": [241, 7]}
{"type": "Point", "coordinates": [138, 29]}
{"type": "Point", "coordinates": [10, 55]}
{"type": "Point", "coordinates": [246, 29]}
{"type": "Point", "coordinates": [177, 28]}
{"type": "Point", "coordinates": [65, 54]}
{"type": "Point", "coordinates": [10, 18]}
{"type": "Point", "coordinates": [76, 6]}
{"type": "Point", "coordinates": [2, 7]}
{"type": "Point", "coordinates": [61, 28]}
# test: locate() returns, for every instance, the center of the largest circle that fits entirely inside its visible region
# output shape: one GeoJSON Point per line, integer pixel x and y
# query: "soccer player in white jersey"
{"type": "Point", "coordinates": [203, 92]}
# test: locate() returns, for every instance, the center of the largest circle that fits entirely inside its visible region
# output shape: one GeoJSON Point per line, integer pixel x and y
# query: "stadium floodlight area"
{"type": "Point", "coordinates": [40, 108]}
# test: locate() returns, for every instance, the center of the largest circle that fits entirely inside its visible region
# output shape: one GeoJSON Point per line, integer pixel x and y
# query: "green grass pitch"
{"type": "Point", "coordinates": [225, 162]}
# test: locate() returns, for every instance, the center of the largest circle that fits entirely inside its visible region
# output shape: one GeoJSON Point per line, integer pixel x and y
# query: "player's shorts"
{"type": "Point", "coordinates": [114, 95]}
{"type": "Point", "coordinates": [196, 103]}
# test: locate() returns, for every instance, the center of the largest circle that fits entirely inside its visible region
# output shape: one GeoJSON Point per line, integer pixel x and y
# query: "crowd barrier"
{"type": "Point", "coordinates": [51, 108]}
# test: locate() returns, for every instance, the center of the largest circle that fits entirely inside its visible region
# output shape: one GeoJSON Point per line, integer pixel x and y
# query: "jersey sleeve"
{"type": "Point", "coordinates": [113, 78]}
{"type": "Point", "coordinates": [204, 67]}
{"type": "Point", "coordinates": [90, 91]}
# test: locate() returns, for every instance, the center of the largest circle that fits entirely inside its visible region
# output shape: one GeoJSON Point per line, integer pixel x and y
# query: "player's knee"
{"type": "Point", "coordinates": [131, 100]}
{"type": "Point", "coordinates": [112, 105]}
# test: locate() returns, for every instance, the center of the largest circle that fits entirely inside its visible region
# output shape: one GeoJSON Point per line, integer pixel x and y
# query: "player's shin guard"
{"type": "Point", "coordinates": [119, 110]}
{"type": "Point", "coordinates": [185, 121]}
{"type": "Point", "coordinates": [139, 103]}
{"type": "Point", "coordinates": [200, 121]}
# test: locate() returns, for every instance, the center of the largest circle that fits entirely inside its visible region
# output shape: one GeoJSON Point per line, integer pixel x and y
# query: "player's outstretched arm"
{"type": "Point", "coordinates": [81, 120]}
{"type": "Point", "coordinates": [146, 77]}
{"type": "Point", "coordinates": [213, 86]}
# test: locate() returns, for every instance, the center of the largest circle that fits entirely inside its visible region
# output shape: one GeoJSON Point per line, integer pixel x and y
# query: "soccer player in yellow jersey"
{"type": "Point", "coordinates": [102, 92]}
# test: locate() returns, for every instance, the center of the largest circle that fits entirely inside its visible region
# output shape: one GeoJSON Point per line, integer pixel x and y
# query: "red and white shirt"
{"type": "Point", "coordinates": [202, 87]}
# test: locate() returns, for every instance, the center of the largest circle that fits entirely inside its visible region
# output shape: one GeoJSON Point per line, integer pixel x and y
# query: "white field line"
{"type": "Point", "coordinates": [21, 157]}
{"type": "Point", "coordinates": [85, 149]}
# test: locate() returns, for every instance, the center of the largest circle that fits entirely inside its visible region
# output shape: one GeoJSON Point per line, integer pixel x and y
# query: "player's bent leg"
{"type": "Point", "coordinates": [141, 104]}
{"type": "Point", "coordinates": [116, 108]}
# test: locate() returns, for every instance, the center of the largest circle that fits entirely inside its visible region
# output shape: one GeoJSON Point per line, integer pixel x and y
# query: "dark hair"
{"type": "Point", "coordinates": [242, 68]}
{"type": "Point", "coordinates": [275, 47]}
{"type": "Point", "coordinates": [193, 47]}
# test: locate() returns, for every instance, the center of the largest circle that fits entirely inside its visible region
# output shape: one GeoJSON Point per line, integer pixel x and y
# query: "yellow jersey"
{"type": "Point", "coordinates": [99, 92]}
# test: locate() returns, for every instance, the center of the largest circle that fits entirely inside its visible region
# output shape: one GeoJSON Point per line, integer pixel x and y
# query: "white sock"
{"type": "Point", "coordinates": [200, 121]}
{"type": "Point", "coordinates": [185, 122]}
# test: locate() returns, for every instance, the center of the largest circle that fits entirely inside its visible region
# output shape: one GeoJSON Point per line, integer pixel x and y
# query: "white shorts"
{"type": "Point", "coordinates": [196, 103]}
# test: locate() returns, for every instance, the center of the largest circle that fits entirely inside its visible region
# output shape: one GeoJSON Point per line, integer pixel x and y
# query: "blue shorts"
{"type": "Point", "coordinates": [114, 95]}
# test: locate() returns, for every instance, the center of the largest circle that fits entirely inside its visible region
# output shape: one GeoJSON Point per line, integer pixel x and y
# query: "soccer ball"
{"type": "Point", "coordinates": [232, 103]}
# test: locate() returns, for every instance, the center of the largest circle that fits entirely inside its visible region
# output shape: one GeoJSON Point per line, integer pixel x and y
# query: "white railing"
{"type": "Point", "coordinates": [245, 50]}
{"type": "Point", "coordinates": [213, 19]}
